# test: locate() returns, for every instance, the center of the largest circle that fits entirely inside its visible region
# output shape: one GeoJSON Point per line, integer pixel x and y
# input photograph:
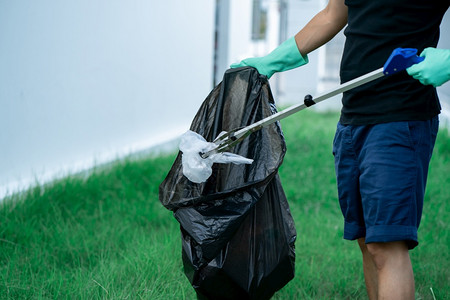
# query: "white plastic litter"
{"type": "Point", "coordinates": [198, 169]}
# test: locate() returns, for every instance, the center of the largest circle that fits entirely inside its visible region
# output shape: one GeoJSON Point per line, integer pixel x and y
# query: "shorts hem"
{"type": "Point", "coordinates": [392, 233]}
{"type": "Point", "coordinates": [382, 234]}
{"type": "Point", "coordinates": [353, 232]}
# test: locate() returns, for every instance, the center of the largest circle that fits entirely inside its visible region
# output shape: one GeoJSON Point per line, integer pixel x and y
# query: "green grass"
{"type": "Point", "coordinates": [106, 236]}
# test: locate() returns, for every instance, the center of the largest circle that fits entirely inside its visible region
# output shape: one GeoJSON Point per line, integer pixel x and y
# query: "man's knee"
{"type": "Point", "coordinates": [385, 252]}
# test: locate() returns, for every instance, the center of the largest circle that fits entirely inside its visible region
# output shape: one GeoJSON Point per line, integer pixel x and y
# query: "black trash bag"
{"type": "Point", "coordinates": [237, 231]}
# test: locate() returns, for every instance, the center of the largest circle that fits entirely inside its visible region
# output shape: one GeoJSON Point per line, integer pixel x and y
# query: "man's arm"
{"type": "Point", "coordinates": [322, 27]}
{"type": "Point", "coordinates": [293, 52]}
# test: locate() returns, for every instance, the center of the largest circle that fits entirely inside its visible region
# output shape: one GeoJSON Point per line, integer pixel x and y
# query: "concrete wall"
{"type": "Point", "coordinates": [83, 82]}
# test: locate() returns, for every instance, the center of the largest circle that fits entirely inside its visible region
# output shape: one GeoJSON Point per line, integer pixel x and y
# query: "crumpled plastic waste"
{"type": "Point", "coordinates": [198, 169]}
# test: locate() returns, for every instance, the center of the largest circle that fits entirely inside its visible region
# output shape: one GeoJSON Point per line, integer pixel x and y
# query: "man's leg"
{"type": "Point", "coordinates": [370, 270]}
{"type": "Point", "coordinates": [381, 172]}
{"type": "Point", "coordinates": [393, 266]}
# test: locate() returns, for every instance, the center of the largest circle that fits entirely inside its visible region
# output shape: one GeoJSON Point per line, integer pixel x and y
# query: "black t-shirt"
{"type": "Point", "coordinates": [375, 28]}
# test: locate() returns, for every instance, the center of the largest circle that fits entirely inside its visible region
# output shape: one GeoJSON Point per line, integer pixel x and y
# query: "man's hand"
{"type": "Point", "coordinates": [284, 57]}
{"type": "Point", "coordinates": [434, 69]}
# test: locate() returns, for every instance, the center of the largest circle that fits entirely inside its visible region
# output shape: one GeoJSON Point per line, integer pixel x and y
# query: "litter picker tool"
{"type": "Point", "coordinates": [399, 60]}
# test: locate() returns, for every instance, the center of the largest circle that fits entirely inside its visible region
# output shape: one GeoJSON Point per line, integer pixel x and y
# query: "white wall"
{"type": "Point", "coordinates": [444, 90]}
{"type": "Point", "coordinates": [239, 43]}
{"type": "Point", "coordinates": [83, 82]}
{"type": "Point", "coordinates": [235, 33]}
{"type": "Point", "coordinates": [293, 85]}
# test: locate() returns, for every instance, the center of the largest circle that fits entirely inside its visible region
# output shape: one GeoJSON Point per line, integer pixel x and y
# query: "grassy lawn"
{"type": "Point", "coordinates": [106, 236]}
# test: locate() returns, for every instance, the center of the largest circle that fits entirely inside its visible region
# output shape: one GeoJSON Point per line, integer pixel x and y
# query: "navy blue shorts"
{"type": "Point", "coordinates": [381, 174]}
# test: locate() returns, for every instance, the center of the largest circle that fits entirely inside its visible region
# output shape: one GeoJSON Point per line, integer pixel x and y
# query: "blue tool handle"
{"type": "Point", "coordinates": [401, 59]}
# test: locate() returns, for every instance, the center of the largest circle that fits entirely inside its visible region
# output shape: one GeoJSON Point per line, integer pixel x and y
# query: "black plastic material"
{"type": "Point", "coordinates": [237, 231]}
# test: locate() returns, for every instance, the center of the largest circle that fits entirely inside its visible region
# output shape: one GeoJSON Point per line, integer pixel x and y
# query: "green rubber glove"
{"type": "Point", "coordinates": [434, 69]}
{"type": "Point", "coordinates": [284, 57]}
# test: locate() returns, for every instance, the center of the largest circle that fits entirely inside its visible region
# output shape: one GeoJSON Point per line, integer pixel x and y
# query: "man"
{"type": "Point", "coordinates": [387, 129]}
